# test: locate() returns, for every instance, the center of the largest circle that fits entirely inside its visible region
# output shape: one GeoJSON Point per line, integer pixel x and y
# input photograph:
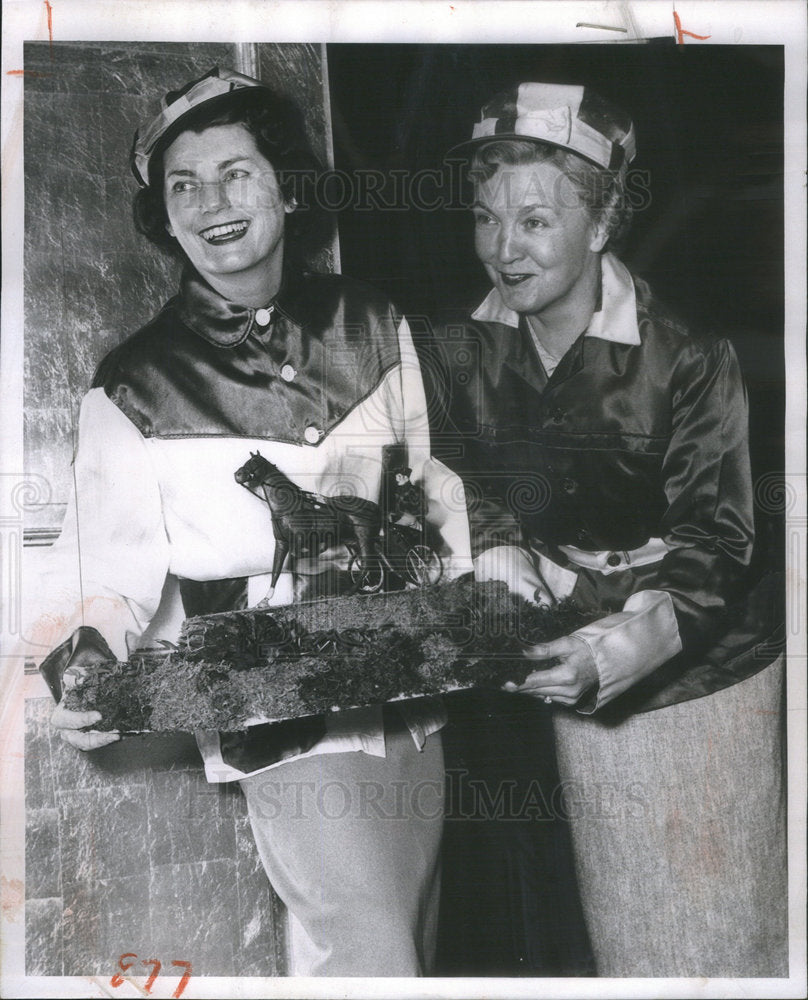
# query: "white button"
{"type": "Point", "coordinates": [263, 316]}
{"type": "Point", "coordinates": [288, 373]}
{"type": "Point", "coordinates": [311, 434]}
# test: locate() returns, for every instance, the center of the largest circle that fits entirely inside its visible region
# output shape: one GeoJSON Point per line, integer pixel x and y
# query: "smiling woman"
{"type": "Point", "coordinates": [636, 427]}
{"type": "Point", "coordinates": [242, 162]}
{"type": "Point", "coordinates": [539, 245]}
{"type": "Point", "coordinates": [320, 374]}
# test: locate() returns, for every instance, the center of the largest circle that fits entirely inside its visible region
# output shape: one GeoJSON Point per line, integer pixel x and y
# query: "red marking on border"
{"type": "Point", "coordinates": [156, 965]}
{"type": "Point", "coordinates": [49, 9]}
{"type": "Point", "coordinates": [25, 72]}
{"type": "Point", "coordinates": [680, 31]}
{"type": "Point", "coordinates": [184, 981]}
{"type": "Point", "coordinates": [117, 979]}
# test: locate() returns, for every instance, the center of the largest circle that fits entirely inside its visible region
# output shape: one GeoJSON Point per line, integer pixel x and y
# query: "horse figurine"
{"type": "Point", "coordinates": [306, 523]}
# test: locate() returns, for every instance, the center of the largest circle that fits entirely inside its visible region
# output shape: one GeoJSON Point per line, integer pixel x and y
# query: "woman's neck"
{"type": "Point", "coordinates": [559, 325]}
{"type": "Point", "coordinates": [255, 287]}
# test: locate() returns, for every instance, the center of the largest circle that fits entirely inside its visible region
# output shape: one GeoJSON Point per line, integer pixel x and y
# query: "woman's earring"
{"type": "Point", "coordinates": [291, 205]}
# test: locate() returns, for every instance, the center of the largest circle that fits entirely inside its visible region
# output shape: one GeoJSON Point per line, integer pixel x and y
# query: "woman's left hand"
{"type": "Point", "coordinates": [569, 680]}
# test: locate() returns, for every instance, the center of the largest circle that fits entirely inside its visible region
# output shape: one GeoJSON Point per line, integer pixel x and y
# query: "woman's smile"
{"type": "Point", "coordinates": [229, 232]}
{"type": "Point", "coordinates": [513, 279]}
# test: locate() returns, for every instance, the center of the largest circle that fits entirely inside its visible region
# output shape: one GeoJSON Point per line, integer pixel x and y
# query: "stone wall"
{"type": "Point", "coordinates": [130, 850]}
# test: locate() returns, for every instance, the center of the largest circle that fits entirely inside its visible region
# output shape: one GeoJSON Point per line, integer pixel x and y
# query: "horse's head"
{"type": "Point", "coordinates": [253, 471]}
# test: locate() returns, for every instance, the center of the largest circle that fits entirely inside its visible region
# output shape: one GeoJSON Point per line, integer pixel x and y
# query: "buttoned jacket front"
{"type": "Point", "coordinates": [625, 472]}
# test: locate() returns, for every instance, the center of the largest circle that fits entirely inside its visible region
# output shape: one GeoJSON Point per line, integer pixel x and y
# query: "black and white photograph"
{"type": "Point", "coordinates": [403, 499]}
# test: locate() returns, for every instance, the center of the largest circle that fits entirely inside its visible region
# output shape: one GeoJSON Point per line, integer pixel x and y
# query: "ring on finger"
{"type": "Point", "coordinates": [548, 700]}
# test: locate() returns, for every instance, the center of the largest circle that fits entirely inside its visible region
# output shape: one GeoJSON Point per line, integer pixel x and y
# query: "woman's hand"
{"type": "Point", "coordinates": [69, 723]}
{"type": "Point", "coordinates": [568, 680]}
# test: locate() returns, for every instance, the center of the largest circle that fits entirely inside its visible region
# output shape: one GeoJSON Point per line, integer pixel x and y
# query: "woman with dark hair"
{"type": "Point", "coordinates": [605, 458]}
{"type": "Point", "coordinates": [319, 373]}
{"type": "Point", "coordinates": [276, 125]}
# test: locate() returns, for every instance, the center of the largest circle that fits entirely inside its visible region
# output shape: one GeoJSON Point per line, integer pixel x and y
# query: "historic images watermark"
{"type": "Point", "coordinates": [428, 189]}
{"type": "Point", "coordinates": [462, 797]}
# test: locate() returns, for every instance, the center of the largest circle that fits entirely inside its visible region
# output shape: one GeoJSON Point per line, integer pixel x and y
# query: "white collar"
{"type": "Point", "coordinates": [615, 321]}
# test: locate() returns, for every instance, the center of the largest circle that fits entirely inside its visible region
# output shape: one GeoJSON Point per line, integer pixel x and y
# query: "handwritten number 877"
{"type": "Point", "coordinates": [117, 979]}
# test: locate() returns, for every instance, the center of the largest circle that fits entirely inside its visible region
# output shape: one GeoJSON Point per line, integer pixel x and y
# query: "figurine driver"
{"type": "Point", "coordinates": [409, 502]}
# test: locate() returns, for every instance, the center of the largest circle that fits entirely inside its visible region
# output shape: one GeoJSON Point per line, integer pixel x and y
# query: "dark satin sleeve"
{"type": "Point", "coordinates": [492, 521]}
{"type": "Point", "coordinates": [708, 484]}
{"type": "Point", "coordinates": [85, 646]}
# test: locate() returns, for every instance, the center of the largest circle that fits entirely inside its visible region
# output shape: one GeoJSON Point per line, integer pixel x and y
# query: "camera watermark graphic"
{"type": "Point", "coordinates": [21, 493]}
{"type": "Point", "coordinates": [781, 497]}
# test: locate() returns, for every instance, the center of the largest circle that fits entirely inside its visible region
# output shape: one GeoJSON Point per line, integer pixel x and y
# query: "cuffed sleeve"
{"type": "Point", "coordinates": [708, 529]}
{"type": "Point", "coordinates": [630, 645]}
{"type": "Point", "coordinates": [86, 646]}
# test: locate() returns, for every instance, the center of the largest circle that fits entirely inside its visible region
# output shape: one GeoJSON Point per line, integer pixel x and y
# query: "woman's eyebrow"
{"type": "Point", "coordinates": [187, 172]}
{"type": "Point", "coordinates": [236, 159]}
{"type": "Point", "coordinates": [524, 209]}
{"type": "Point", "coordinates": [540, 205]}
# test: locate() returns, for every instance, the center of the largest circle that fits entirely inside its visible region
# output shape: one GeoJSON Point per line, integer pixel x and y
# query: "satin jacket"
{"type": "Point", "coordinates": [625, 474]}
{"type": "Point", "coordinates": [325, 383]}
{"type": "Point", "coordinates": [325, 347]}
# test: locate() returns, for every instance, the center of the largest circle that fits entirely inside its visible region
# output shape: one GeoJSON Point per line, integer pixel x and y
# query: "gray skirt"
{"type": "Point", "coordinates": [679, 833]}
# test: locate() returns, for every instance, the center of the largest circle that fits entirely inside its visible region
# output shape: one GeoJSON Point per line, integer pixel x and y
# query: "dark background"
{"type": "Point", "coordinates": [709, 123]}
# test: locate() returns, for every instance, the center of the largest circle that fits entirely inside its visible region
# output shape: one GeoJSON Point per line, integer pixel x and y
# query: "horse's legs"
{"type": "Point", "coordinates": [280, 530]}
{"type": "Point", "coordinates": [279, 558]}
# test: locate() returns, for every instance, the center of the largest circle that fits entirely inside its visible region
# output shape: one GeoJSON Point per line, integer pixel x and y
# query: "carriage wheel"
{"type": "Point", "coordinates": [366, 573]}
{"type": "Point", "coordinates": [424, 566]}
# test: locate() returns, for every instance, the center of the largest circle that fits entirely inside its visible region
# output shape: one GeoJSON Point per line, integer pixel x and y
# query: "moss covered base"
{"type": "Point", "coordinates": [234, 669]}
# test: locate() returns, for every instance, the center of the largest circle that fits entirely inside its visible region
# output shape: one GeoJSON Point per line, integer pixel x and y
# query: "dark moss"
{"type": "Point", "coordinates": [334, 654]}
{"type": "Point", "coordinates": [119, 691]}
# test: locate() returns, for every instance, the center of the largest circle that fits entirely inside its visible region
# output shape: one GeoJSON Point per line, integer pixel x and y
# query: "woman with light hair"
{"type": "Point", "coordinates": [605, 457]}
